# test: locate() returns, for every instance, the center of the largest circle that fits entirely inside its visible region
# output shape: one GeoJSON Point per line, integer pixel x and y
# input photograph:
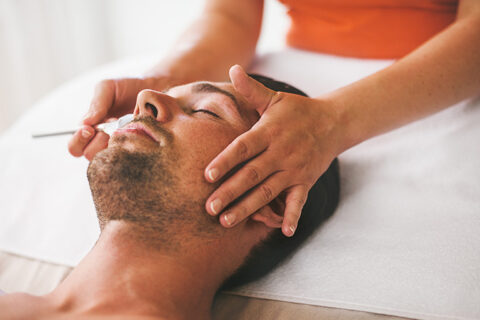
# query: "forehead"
{"type": "Point", "coordinates": [201, 87]}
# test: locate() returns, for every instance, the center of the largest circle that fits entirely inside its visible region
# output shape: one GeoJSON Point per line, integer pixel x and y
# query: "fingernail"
{"type": "Point", "coordinates": [292, 230]}
{"type": "Point", "coordinates": [216, 206]}
{"type": "Point", "coordinates": [86, 134]}
{"type": "Point", "coordinates": [229, 218]}
{"type": "Point", "coordinates": [213, 174]}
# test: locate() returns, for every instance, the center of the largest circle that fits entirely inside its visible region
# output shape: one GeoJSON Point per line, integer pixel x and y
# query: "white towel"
{"type": "Point", "coordinates": [404, 240]}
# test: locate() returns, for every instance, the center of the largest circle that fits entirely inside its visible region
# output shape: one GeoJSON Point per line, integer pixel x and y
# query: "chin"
{"type": "Point", "coordinates": [133, 143]}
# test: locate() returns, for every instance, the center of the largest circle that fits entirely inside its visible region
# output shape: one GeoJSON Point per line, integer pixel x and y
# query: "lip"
{"type": "Point", "coordinates": [137, 127]}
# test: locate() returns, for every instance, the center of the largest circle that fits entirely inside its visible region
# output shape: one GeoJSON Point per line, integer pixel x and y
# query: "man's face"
{"type": "Point", "coordinates": [152, 171]}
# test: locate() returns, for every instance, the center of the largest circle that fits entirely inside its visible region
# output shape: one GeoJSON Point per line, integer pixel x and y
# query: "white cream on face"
{"type": "Point", "coordinates": [110, 127]}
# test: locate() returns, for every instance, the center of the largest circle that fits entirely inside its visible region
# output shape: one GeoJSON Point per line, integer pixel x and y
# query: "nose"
{"type": "Point", "coordinates": [155, 104]}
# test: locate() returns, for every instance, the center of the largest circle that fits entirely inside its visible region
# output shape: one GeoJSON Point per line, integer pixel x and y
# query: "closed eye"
{"type": "Point", "coordinates": [206, 111]}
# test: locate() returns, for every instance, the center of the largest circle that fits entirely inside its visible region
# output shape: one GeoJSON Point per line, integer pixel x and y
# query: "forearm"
{"type": "Point", "coordinates": [443, 71]}
{"type": "Point", "coordinates": [220, 38]}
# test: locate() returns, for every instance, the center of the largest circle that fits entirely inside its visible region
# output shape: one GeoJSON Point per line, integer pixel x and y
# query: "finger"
{"type": "Point", "coordinates": [258, 96]}
{"type": "Point", "coordinates": [244, 147]}
{"type": "Point", "coordinates": [102, 101]}
{"type": "Point", "coordinates": [97, 144]}
{"type": "Point", "coordinates": [256, 199]}
{"type": "Point", "coordinates": [267, 216]}
{"type": "Point", "coordinates": [249, 176]}
{"type": "Point", "coordinates": [79, 140]}
{"type": "Point", "coordinates": [296, 198]}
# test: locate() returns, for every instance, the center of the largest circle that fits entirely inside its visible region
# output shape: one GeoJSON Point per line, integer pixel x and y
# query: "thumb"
{"type": "Point", "coordinates": [103, 99]}
{"type": "Point", "coordinates": [258, 96]}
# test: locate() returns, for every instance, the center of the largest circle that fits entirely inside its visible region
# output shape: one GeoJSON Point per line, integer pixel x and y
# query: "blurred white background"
{"type": "Point", "coordinates": [44, 43]}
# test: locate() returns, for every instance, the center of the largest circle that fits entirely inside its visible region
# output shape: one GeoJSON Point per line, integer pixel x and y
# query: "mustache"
{"type": "Point", "coordinates": [153, 125]}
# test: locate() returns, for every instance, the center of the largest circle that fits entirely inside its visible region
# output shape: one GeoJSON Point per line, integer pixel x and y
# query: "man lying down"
{"type": "Point", "coordinates": [159, 254]}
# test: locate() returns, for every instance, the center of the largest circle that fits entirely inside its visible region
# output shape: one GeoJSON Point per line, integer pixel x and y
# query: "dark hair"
{"type": "Point", "coordinates": [322, 201]}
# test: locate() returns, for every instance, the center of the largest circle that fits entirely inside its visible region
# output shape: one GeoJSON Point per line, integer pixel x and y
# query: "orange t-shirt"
{"type": "Point", "coordinates": [366, 28]}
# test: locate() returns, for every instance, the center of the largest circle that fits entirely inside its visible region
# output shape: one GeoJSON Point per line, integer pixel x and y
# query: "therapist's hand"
{"type": "Point", "coordinates": [112, 98]}
{"type": "Point", "coordinates": [287, 150]}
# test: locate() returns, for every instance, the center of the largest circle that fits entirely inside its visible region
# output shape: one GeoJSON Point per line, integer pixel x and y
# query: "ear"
{"type": "Point", "coordinates": [272, 214]}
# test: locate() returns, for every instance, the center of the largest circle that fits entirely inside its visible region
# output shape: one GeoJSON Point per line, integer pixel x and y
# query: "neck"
{"type": "Point", "coordinates": [121, 276]}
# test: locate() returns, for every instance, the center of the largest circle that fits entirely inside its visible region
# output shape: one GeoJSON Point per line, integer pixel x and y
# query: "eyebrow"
{"type": "Point", "coordinates": [208, 87]}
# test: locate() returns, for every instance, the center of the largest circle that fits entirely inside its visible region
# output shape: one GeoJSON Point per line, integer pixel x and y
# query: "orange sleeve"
{"type": "Point", "coordinates": [382, 29]}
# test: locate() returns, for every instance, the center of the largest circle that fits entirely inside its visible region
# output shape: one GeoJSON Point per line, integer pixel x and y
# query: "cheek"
{"type": "Point", "coordinates": [203, 143]}
{"type": "Point", "coordinates": [197, 146]}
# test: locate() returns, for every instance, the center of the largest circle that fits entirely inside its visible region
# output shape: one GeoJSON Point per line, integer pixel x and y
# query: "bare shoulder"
{"type": "Point", "coordinates": [24, 306]}
{"type": "Point", "coordinates": [19, 306]}
{"type": "Point", "coordinates": [114, 317]}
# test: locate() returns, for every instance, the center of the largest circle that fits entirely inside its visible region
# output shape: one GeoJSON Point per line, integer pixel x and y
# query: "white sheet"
{"type": "Point", "coordinates": [404, 240]}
